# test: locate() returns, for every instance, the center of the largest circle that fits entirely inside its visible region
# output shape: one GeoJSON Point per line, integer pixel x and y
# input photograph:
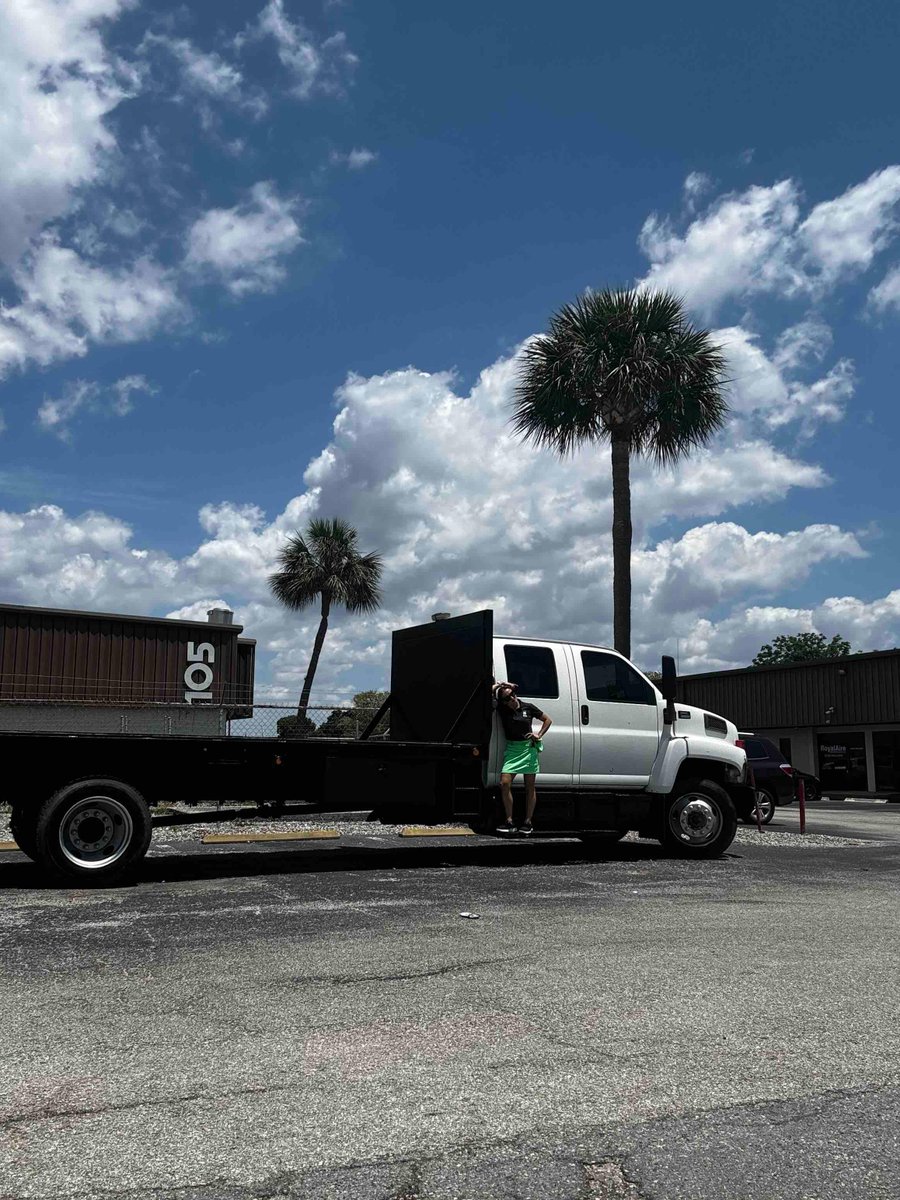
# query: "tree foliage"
{"type": "Point", "coordinates": [298, 725]}
{"type": "Point", "coordinates": [349, 723]}
{"type": "Point", "coordinates": [628, 368]}
{"type": "Point", "coordinates": [324, 565]}
{"type": "Point", "coordinates": [800, 647]}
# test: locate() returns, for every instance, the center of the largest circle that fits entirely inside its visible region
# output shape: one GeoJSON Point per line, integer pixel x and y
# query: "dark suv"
{"type": "Point", "coordinates": [772, 773]}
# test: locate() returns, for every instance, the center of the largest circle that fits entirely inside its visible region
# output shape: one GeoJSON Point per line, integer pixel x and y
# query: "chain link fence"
{"type": "Point", "coordinates": [318, 720]}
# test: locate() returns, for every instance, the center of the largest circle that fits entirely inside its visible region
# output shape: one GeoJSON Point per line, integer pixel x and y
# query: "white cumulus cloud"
{"type": "Point", "coordinates": [245, 246]}
{"type": "Point", "coordinates": [313, 64]}
{"type": "Point", "coordinates": [734, 641]}
{"type": "Point", "coordinates": [843, 236]}
{"type": "Point", "coordinates": [758, 241]}
{"type": "Point", "coordinates": [426, 472]}
{"type": "Point", "coordinates": [207, 73]}
{"type": "Point", "coordinates": [356, 159]}
{"type": "Point", "coordinates": [739, 246]}
{"type": "Point", "coordinates": [56, 414]}
{"type": "Point", "coordinates": [886, 294]}
{"type": "Point", "coordinates": [770, 389]}
{"type": "Point", "coordinates": [67, 303]}
{"type": "Point", "coordinates": [58, 84]}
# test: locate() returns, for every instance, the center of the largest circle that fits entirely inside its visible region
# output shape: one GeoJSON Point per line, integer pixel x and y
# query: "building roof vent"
{"type": "Point", "coordinates": [440, 616]}
{"type": "Point", "coordinates": [220, 616]}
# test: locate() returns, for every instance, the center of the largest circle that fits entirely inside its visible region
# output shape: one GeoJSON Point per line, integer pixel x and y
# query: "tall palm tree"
{"type": "Point", "coordinates": [625, 367]}
{"type": "Point", "coordinates": [325, 564]}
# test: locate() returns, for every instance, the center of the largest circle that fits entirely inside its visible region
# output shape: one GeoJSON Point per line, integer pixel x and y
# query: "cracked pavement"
{"type": "Point", "coordinates": [317, 1022]}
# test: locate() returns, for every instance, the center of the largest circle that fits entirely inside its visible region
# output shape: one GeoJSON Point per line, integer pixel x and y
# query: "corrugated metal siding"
{"type": "Point", "coordinates": [245, 669]}
{"type": "Point", "coordinates": [791, 697]}
{"type": "Point", "coordinates": [55, 655]}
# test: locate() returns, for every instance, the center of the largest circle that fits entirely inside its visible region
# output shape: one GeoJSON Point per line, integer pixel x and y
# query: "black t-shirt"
{"type": "Point", "coordinates": [517, 721]}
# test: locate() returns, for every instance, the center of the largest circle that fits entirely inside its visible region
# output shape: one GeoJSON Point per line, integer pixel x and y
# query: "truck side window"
{"type": "Point", "coordinates": [607, 677]}
{"type": "Point", "coordinates": [534, 670]}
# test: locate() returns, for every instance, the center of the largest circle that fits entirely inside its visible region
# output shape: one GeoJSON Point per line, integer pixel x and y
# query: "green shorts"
{"type": "Point", "coordinates": [522, 758]}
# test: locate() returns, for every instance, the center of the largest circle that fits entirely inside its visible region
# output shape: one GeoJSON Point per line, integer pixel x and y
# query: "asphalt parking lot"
{"type": "Point", "coordinates": [320, 1021]}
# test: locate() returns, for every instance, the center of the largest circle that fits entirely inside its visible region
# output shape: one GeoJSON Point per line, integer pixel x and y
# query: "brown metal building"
{"type": "Point", "coordinates": [106, 672]}
{"type": "Point", "coordinates": [837, 718]}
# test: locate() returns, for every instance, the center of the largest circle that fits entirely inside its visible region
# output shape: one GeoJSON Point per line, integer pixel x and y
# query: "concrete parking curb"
{"type": "Point", "coordinates": [9, 846]}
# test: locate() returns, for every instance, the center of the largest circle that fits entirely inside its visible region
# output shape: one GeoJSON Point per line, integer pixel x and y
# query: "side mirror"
{"type": "Point", "coordinates": [669, 681]}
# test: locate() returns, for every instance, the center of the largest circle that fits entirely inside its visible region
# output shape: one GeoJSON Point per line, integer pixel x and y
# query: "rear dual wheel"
{"type": "Point", "coordinates": [92, 831]}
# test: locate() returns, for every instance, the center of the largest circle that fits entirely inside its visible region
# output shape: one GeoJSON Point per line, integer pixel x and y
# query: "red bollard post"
{"type": "Point", "coordinates": [802, 798]}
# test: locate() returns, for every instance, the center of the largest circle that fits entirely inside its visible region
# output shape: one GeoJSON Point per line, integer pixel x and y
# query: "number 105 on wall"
{"type": "Point", "coordinates": [198, 674]}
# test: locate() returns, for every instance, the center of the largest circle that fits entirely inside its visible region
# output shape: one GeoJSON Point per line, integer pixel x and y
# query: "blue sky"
{"type": "Point", "coordinates": [217, 215]}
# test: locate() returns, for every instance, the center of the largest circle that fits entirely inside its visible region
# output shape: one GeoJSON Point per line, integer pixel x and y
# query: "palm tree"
{"type": "Point", "coordinates": [628, 368]}
{"type": "Point", "coordinates": [324, 564]}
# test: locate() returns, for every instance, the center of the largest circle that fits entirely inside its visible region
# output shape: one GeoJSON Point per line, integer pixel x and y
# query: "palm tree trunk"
{"type": "Point", "coordinates": [314, 659]}
{"type": "Point", "coordinates": [621, 537]}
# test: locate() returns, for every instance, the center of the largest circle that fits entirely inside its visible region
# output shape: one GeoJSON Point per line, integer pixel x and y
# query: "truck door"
{"type": "Point", "coordinates": [618, 721]}
{"type": "Point", "coordinates": [543, 675]}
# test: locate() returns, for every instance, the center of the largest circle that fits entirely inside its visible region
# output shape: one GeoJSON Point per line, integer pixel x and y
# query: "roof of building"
{"type": "Point", "coordinates": [33, 610]}
{"type": "Point", "coordinates": [840, 660]}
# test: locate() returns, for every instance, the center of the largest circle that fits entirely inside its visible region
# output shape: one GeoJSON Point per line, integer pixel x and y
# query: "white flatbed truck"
{"type": "Point", "coordinates": [621, 755]}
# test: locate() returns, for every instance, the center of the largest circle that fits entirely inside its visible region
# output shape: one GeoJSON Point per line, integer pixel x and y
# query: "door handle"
{"type": "Point", "coordinates": [585, 714]}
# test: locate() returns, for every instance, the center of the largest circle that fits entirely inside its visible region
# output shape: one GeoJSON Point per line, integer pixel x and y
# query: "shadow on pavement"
{"type": "Point", "coordinates": [214, 863]}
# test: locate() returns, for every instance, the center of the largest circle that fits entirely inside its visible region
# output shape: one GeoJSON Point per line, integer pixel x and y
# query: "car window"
{"type": "Point", "coordinates": [533, 669]}
{"type": "Point", "coordinates": [756, 748]}
{"type": "Point", "coordinates": [772, 750]}
{"type": "Point", "coordinates": [608, 677]}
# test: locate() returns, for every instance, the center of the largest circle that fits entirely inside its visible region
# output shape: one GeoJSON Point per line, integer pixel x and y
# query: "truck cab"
{"type": "Point", "coordinates": [617, 745]}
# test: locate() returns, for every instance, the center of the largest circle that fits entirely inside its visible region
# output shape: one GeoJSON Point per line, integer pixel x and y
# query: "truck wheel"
{"type": "Point", "coordinates": [93, 830]}
{"type": "Point", "coordinates": [700, 820]}
{"type": "Point", "coordinates": [23, 827]}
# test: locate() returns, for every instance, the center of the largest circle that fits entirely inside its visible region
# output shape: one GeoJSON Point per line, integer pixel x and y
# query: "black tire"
{"type": "Point", "coordinates": [811, 792]}
{"type": "Point", "coordinates": [93, 831]}
{"type": "Point", "coordinates": [23, 827]}
{"type": "Point", "coordinates": [700, 821]}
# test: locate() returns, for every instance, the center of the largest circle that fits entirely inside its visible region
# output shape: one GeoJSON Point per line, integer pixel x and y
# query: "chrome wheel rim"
{"type": "Point", "coordinates": [95, 832]}
{"type": "Point", "coordinates": [695, 819]}
{"type": "Point", "coordinates": [764, 800]}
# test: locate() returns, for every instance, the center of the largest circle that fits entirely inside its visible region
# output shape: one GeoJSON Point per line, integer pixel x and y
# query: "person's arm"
{"type": "Point", "coordinates": [546, 723]}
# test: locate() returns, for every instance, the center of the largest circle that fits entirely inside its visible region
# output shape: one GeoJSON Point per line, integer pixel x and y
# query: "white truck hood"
{"type": "Point", "coordinates": [697, 722]}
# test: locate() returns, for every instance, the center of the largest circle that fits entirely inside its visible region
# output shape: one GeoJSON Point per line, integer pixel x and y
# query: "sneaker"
{"type": "Point", "coordinates": [507, 827]}
{"type": "Point", "coordinates": [526, 829]}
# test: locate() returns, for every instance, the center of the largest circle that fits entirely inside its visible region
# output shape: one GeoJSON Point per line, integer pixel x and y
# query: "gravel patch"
{"type": "Point", "coordinates": [773, 837]}
{"type": "Point", "coordinates": [193, 833]}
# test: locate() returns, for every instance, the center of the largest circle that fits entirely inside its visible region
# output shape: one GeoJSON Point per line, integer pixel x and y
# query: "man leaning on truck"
{"type": "Point", "coordinates": [521, 756]}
